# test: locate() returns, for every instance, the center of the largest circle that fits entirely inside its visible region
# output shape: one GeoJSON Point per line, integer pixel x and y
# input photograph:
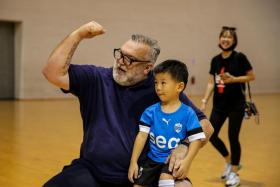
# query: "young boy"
{"type": "Point", "coordinates": [167, 123]}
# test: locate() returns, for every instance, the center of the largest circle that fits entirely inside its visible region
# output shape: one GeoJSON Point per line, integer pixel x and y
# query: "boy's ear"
{"type": "Point", "coordinates": [181, 86]}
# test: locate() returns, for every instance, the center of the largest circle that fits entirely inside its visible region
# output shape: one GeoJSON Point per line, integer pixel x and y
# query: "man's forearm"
{"type": "Point", "coordinates": [59, 60]}
{"type": "Point", "coordinates": [207, 129]}
{"type": "Point", "coordinates": [65, 51]}
{"type": "Point", "coordinates": [56, 69]}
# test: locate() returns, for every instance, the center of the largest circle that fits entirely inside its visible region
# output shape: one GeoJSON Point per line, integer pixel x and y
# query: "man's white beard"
{"type": "Point", "coordinates": [125, 81]}
{"type": "Point", "coordinates": [121, 80]}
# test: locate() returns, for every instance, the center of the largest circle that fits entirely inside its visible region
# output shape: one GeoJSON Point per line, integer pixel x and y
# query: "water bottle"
{"type": "Point", "coordinates": [221, 85]}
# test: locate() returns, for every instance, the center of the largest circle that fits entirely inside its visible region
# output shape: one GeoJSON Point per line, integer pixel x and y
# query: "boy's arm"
{"type": "Point", "coordinates": [182, 150]}
{"type": "Point", "coordinates": [139, 144]}
{"type": "Point", "coordinates": [207, 129]}
{"type": "Point", "coordinates": [204, 122]}
{"type": "Point", "coordinates": [183, 167]}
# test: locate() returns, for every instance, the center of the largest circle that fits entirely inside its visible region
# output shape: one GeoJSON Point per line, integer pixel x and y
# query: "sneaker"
{"type": "Point", "coordinates": [226, 172]}
{"type": "Point", "coordinates": [239, 167]}
{"type": "Point", "coordinates": [233, 180]}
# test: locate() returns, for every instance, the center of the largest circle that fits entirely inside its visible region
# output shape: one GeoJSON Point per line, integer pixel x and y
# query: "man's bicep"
{"type": "Point", "coordinates": [60, 81]}
{"type": "Point", "coordinates": [64, 82]}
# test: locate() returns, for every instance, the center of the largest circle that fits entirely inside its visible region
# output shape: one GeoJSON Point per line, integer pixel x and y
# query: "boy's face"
{"type": "Point", "coordinates": [166, 87]}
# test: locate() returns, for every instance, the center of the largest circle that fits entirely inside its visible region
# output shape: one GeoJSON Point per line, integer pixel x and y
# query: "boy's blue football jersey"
{"type": "Point", "coordinates": [166, 130]}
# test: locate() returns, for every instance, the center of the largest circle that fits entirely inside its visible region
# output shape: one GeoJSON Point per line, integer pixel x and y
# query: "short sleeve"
{"type": "Point", "coordinates": [194, 130]}
{"type": "Point", "coordinates": [81, 78]}
{"type": "Point", "coordinates": [213, 66]}
{"type": "Point", "coordinates": [146, 120]}
{"type": "Point", "coordinates": [147, 117]}
{"type": "Point", "coordinates": [245, 65]}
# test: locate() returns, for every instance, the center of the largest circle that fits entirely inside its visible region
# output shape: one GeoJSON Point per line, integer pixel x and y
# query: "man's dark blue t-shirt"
{"type": "Point", "coordinates": [110, 115]}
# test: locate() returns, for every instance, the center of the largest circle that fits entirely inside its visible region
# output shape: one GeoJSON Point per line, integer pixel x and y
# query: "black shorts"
{"type": "Point", "coordinates": [150, 171]}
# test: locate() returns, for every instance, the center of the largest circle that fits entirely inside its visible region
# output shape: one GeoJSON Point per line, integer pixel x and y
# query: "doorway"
{"type": "Point", "coordinates": [7, 60]}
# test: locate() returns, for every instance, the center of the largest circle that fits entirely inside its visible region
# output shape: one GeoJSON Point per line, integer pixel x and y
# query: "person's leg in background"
{"type": "Point", "coordinates": [217, 120]}
{"type": "Point", "coordinates": [235, 122]}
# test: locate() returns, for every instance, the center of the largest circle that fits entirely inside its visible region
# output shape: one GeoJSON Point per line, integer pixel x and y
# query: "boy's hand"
{"type": "Point", "coordinates": [133, 172]}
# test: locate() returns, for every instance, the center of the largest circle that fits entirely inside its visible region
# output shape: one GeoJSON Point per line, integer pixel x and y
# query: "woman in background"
{"type": "Point", "coordinates": [229, 72]}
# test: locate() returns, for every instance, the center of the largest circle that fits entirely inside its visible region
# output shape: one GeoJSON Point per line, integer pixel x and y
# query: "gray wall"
{"type": "Point", "coordinates": [186, 29]}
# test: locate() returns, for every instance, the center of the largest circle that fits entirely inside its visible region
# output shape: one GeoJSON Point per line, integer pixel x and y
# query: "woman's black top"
{"type": "Point", "coordinates": [232, 97]}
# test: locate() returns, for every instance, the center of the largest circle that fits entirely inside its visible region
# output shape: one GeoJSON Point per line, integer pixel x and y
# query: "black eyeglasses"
{"type": "Point", "coordinates": [126, 59]}
{"type": "Point", "coordinates": [228, 28]}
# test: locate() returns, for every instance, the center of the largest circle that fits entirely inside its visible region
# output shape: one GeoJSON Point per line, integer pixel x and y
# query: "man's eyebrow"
{"type": "Point", "coordinates": [130, 56]}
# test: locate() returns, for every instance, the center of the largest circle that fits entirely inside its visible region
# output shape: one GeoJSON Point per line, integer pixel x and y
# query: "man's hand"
{"type": "Point", "coordinates": [90, 30]}
{"type": "Point", "coordinates": [183, 169]}
{"type": "Point", "coordinates": [175, 158]}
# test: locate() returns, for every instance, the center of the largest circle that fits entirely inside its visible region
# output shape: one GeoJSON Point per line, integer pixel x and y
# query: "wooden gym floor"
{"type": "Point", "coordinates": [39, 137]}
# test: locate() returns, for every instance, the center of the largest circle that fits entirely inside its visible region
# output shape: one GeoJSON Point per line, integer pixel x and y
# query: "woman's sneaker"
{"type": "Point", "coordinates": [226, 172]}
{"type": "Point", "coordinates": [233, 180]}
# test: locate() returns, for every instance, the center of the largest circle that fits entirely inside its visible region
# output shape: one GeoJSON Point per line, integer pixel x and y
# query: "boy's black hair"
{"type": "Point", "coordinates": [177, 69]}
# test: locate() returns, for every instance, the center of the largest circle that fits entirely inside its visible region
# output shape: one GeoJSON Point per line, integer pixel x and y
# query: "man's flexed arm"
{"type": "Point", "coordinates": [56, 69]}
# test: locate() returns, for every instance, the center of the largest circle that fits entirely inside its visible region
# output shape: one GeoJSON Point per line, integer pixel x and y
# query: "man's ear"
{"type": "Point", "coordinates": [148, 68]}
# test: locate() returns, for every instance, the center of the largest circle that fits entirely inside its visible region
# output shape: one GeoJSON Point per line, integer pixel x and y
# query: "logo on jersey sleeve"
{"type": "Point", "coordinates": [178, 127]}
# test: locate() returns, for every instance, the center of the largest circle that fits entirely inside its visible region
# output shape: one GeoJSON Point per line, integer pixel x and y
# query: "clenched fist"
{"type": "Point", "coordinates": [90, 30]}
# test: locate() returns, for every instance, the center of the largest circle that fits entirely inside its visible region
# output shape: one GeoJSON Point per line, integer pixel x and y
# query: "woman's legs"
{"type": "Point", "coordinates": [217, 119]}
{"type": "Point", "coordinates": [235, 121]}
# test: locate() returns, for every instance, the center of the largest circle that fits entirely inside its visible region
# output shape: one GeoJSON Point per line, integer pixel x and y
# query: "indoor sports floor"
{"type": "Point", "coordinates": [39, 137]}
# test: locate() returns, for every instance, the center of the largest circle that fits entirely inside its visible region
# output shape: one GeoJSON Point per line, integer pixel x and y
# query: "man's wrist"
{"type": "Point", "coordinates": [204, 101]}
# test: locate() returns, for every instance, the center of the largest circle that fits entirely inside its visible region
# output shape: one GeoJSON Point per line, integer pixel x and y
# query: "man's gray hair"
{"type": "Point", "coordinates": [155, 49]}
